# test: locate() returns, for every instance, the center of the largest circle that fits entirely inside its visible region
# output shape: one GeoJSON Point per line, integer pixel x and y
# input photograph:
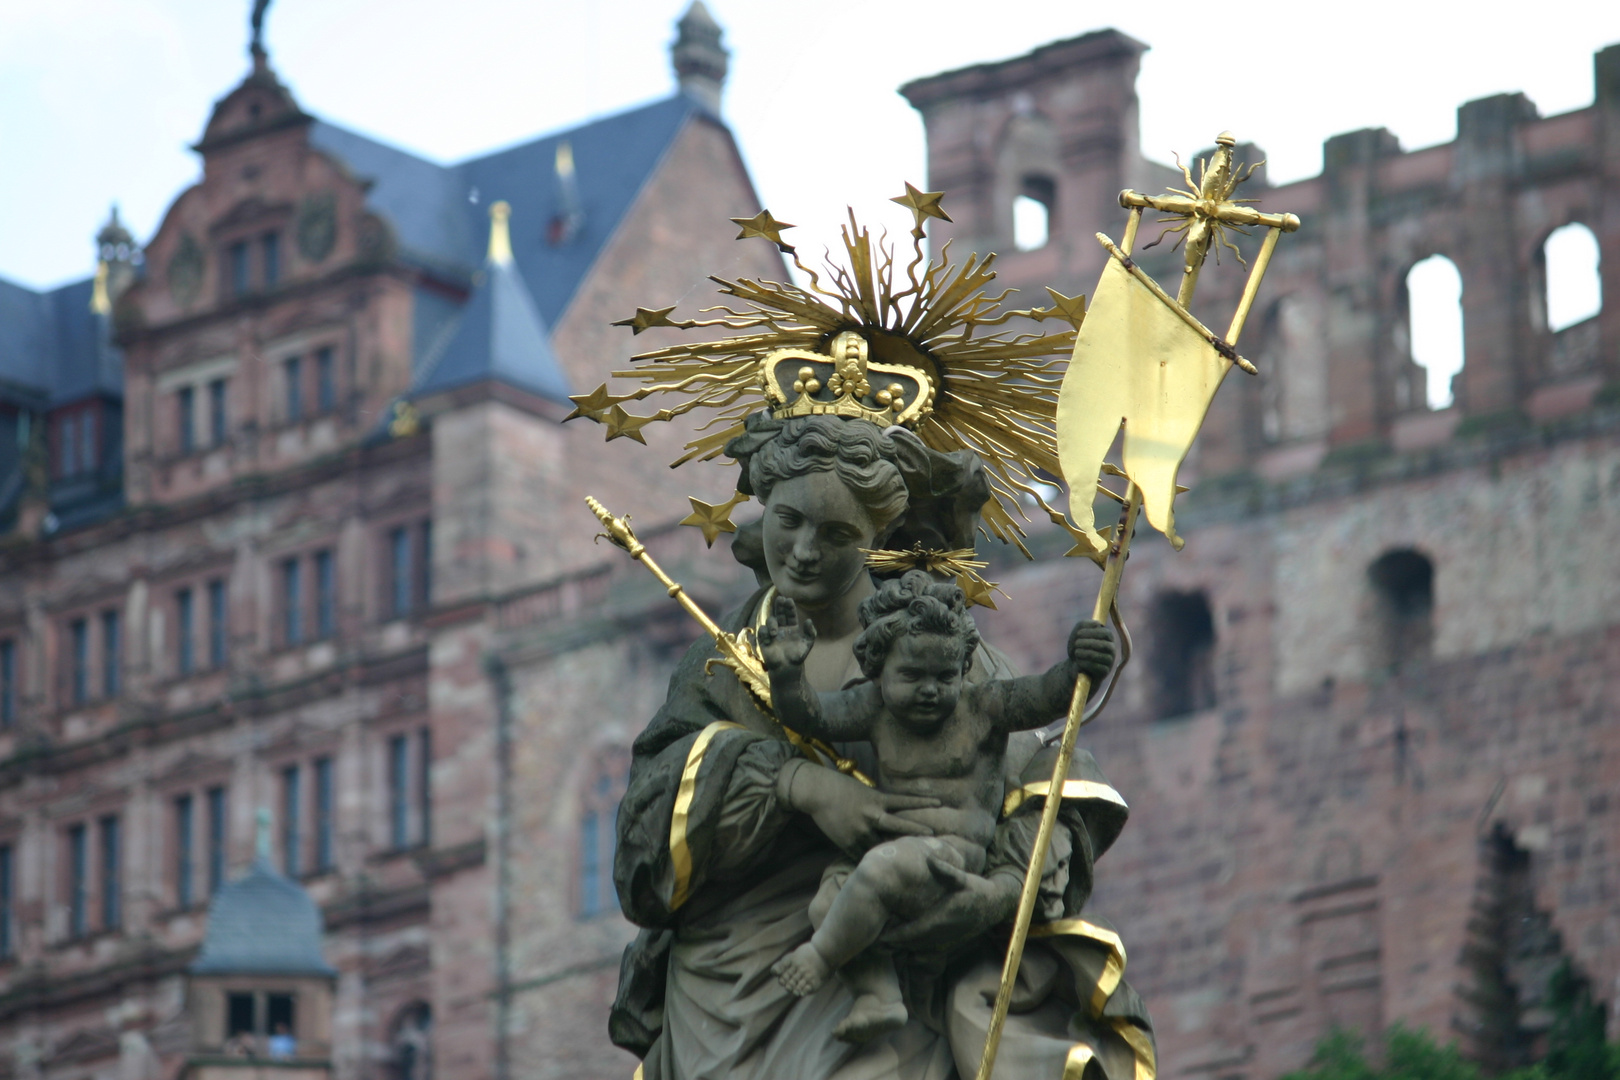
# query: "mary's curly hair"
{"type": "Point", "coordinates": [912, 604]}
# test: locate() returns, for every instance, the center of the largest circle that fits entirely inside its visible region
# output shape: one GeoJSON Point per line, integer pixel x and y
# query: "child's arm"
{"type": "Point", "coordinates": [783, 645]}
{"type": "Point", "coordinates": [1032, 701]}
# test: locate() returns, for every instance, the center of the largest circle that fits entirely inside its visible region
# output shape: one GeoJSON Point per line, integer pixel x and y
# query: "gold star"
{"type": "Point", "coordinates": [763, 225]}
{"type": "Point", "coordinates": [592, 406]}
{"type": "Point", "coordinates": [977, 590]}
{"type": "Point", "coordinates": [713, 519]}
{"type": "Point", "coordinates": [1071, 309]}
{"type": "Point", "coordinates": [620, 422]}
{"type": "Point", "coordinates": [647, 318]}
{"type": "Point", "coordinates": [923, 204]}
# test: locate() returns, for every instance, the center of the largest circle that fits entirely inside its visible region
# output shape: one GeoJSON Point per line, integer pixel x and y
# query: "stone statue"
{"type": "Point", "coordinates": [897, 425]}
{"type": "Point", "coordinates": [934, 739]}
{"type": "Point", "coordinates": [762, 825]}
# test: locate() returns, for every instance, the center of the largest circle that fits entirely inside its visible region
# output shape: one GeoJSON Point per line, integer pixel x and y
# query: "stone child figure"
{"type": "Point", "coordinates": [935, 738]}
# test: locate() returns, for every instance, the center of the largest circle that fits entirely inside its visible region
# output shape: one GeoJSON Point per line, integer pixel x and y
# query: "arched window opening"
{"type": "Point", "coordinates": [411, 1045]}
{"type": "Point", "coordinates": [605, 784]}
{"type": "Point", "coordinates": [1183, 658]}
{"type": "Point", "coordinates": [1435, 324]}
{"type": "Point", "coordinates": [1574, 281]}
{"type": "Point", "coordinates": [1402, 631]}
{"type": "Point", "coordinates": [1032, 213]}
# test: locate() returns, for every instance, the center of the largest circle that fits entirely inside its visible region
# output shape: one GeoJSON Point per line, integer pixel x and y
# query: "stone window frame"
{"type": "Point", "coordinates": [417, 527]}
{"type": "Point", "coordinates": [404, 799]}
{"type": "Point", "coordinates": [165, 590]}
{"type": "Point", "coordinates": [92, 614]}
{"type": "Point", "coordinates": [305, 555]}
{"type": "Point", "coordinates": [169, 393]}
{"type": "Point", "coordinates": [306, 350]}
{"type": "Point", "coordinates": [91, 820]}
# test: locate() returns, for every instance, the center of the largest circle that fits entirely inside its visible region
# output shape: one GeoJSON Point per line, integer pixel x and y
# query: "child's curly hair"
{"type": "Point", "coordinates": [912, 604]}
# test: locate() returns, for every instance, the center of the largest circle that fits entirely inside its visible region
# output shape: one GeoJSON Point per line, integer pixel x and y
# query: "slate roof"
{"type": "Point", "coordinates": [498, 334]}
{"type": "Point", "coordinates": [53, 349]}
{"type": "Point", "coordinates": [441, 226]}
{"type": "Point", "coordinates": [262, 924]}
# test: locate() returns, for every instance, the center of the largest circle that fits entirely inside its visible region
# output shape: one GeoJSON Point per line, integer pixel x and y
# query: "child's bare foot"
{"type": "Point", "coordinates": [802, 971]}
{"type": "Point", "coordinates": [870, 1018]}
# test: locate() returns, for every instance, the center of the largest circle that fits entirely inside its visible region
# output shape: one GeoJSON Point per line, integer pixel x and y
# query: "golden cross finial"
{"type": "Point", "coordinates": [1207, 209]}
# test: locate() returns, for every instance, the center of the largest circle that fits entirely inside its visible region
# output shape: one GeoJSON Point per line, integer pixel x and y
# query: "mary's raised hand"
{"type": "Point", "coordinates": [784, 641]}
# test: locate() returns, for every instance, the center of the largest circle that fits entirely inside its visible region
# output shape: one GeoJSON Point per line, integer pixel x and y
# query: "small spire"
{"type": "Point", "coordinates": [261, 835]}
{"type": "Point", "coordinates": [100, 302]}
{"type": "Point", "coordinates": [500, 235]}
{"type": "Point", "coordinates": [566, 222]}
{"type": "Point", "coordinates": [700, 59]}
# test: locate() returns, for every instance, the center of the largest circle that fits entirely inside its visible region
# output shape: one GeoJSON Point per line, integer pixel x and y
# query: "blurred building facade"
{"type": "Point", "coordinates": [293, 524]}
{"type": "Point", "coordinates": [278, 489]}
{"type": "Point", "coordinates": [1371, 737]}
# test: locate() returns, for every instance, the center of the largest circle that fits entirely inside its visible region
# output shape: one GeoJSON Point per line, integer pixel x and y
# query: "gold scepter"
{"type": "Point", "coordinates": [738, 652]}
{"type": "Point", "coordinates": [1143, 364]}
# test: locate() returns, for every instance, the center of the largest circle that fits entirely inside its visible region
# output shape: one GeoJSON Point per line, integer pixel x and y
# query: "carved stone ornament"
{"type": "Point", "coordinates": [317, 226]}
{"type": "Point", "coordinates": [186, 270]}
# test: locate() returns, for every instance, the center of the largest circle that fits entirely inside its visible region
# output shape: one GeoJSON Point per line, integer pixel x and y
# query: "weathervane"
{"type": "Point", "coordinates": [1142, 363]}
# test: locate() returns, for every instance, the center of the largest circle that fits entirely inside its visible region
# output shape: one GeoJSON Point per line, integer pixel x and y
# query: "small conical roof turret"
{"type": "Point", "coordinates": [499, 334]}
{"type": "Point", "coordinates": [700, 59]}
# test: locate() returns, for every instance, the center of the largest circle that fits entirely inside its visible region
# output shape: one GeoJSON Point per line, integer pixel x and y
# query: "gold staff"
{"type": "Point", "coordinates": [1143, 363]}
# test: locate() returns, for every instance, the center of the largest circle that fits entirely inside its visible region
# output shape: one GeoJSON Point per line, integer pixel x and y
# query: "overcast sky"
{"type": "Point", "coordinates": [99, 98]}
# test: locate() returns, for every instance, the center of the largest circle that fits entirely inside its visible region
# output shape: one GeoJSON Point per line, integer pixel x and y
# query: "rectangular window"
{"type": "Point", "coordinates": [7, 900]}
{"type": "Point", "coordinates": [112, 654]}
{"type": "Point", "coordinates": [325, 595]}
{"type": "Point", "coordinates": [112, 883]}
{"type": "Point", "coordinates": [325, 381]}
{"type": "Point", "coordinates": [239, 1018]}
{"type": "Point", "coordinates": [280, 1015]}
{"type": "Point", "coordinates": [240, 280]}
{"type": "Point", "coordinates": [424, 576]}
{"type": "Point", "coordinates": [323, 814]}
{"type": "Point", "coordinates": [79, 661]}
{"type": "Point", "coordinates": [292, 608]}
{"type": "Point", "coordinates": [185, 627]}
{"type": "Point", "coordinates": [78, 882]}
{"type": "Point", "coordinates": [218, 417]}
{"type": "Point", "coordinates": [291, 802]}
{"type": "Point", "coordinates": [185, 893]}
{"type": "Point", "coordinates": [217, 827]}
{"type": "Point", "coordinates": [424, 784]}
{"type": "Point", "coordinates": [87, 442]}
{"type": "Point", "coordinates": [399, 563]}
{"type": "Point", "coordinates": [399, 779]}
{"type": "Point", "coordinates": [271, 246]}
{"type": "Point", "coordinates": [186, 411]}
{"type": "Point", "coordinates": [293, 374]}
{"type": "Point", "coordinates": [8, 682]}
{"type": "Point", "coordinates": [590, 864]}
{"type": "Point", "coordinates": [67, 448]}
{"type": "Point", "coordinates": [219, 625]}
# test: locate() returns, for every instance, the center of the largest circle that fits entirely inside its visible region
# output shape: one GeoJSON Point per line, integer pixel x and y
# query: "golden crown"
{"type": "Point", "coordinates": [868, 341]}
{"type": "Point", "coordinates": [844, 382]}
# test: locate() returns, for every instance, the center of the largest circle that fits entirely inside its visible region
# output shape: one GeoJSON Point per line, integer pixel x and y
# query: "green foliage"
{"type": "Point", "coordinates": [1576, 1049]}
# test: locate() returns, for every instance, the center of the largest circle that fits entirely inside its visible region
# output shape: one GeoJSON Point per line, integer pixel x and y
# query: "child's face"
{"type": "Point", "coordinates": [922, 679]}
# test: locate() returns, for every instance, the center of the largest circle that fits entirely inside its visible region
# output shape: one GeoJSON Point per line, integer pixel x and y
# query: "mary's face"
{"type": "Point", "coordinates": [814, 530]}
